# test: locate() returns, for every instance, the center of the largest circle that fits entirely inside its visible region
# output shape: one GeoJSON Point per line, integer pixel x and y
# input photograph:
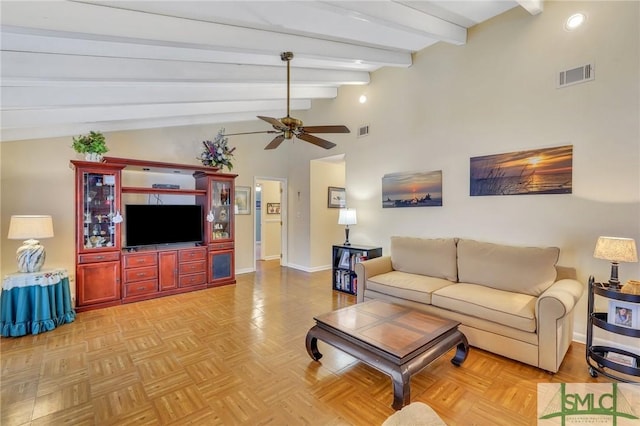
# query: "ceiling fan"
{"type": "Point", "coordinates": [288, 127]}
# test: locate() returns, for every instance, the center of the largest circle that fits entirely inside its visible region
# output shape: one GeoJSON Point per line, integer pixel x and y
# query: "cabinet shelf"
{"type": "Point", "coordinates": [158, 166]}
{"type": "Point", "coordinates": [602, 359]}
{"type": "Point", "coordinates": [143, 190]}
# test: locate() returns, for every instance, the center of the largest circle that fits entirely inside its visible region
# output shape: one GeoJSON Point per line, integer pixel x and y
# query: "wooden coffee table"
{"type": "Point", "coordinates": [394, 339]}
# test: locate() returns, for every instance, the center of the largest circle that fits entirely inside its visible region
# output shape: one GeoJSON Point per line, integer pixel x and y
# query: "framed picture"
{"type": "Point", "coordinates": [538, 171]}
{"type": "Point", "coordinates": [337, 198]}
{"type": "Point", "coordinates": [422, 189]}
{"type": "Point", "coordinates": [624, 314]}
{"type": "Point", "coordinates": [243, 200]}
{"type": "Point", "coordinates": [273, 208]}
{"type": "Point", "coordinates": [344, 260]}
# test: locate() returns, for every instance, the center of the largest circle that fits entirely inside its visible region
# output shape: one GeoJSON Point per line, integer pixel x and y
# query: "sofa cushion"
{"type": "Point", "coordinates": [417, 288]}
{"type": "Point", "coordinates": [515, 310]}
{"type": "Point", "coordinates": [432, 257]}
{"type": "Point", "coordinates": [528, 270]}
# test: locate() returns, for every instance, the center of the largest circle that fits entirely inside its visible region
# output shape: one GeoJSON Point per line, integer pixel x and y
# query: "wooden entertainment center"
{"type": "Point", "coordinates": [108, 274]}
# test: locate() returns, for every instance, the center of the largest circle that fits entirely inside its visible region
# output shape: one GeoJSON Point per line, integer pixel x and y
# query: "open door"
{"type": "Point", "coordinates": [270, 219]}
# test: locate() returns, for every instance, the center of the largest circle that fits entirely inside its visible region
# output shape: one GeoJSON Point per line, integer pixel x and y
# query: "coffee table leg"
{"type": "Point", "coordinates": [462, 350]}
{"type": "Point", "coordinates": [312, 345]}
{"type": "Point", "coordinates": [401, 389]}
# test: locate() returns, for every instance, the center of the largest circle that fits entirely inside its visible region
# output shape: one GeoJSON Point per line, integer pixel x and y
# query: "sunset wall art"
{"type": "Point", "coordinates": [422, 189]}
{"type": "Point", "coordinates": [539, 171]}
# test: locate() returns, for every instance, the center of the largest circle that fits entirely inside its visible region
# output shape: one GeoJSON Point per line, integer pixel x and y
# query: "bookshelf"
{"type": "Point", "coordinates": [344, 259]}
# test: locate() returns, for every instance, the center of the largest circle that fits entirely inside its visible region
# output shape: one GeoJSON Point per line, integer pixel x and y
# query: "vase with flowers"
{"type": "Point", "coordinates": [217, 153]}
{"type": "Point", "coordinates": [92, 145]}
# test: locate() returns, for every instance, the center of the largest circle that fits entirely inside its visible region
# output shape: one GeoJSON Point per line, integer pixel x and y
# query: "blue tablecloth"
{"type": "Point", "coordinates": [32, 303]}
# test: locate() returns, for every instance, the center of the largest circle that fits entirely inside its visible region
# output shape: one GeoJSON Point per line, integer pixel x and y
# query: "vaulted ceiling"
{"type": "Point", "coordinates": [73, 66]}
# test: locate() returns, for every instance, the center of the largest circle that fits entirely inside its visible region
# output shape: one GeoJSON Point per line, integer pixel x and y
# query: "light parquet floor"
{"type": "Point", "coordinates": [236, 355]}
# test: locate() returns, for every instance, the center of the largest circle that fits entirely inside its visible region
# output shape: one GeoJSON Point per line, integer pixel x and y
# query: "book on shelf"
{"type": "Point", "coordinates": [627, 360]}
{"type": "Point", "coordinates": [344, 281]}
{"type": "Point", "coordinates": [358, 257]}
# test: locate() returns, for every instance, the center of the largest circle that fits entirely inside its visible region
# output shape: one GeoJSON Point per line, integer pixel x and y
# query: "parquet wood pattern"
{"type": "Point", "coordinates": [236, 355]}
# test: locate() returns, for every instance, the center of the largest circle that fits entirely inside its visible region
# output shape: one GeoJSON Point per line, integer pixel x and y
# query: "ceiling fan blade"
{"type": "Point", "coordinates": [275, 142]}
{"type": "Point", "coordinates": [274, 122]}
{"type": "Point", "coordinates": [316, 140]}
{"type": "Point", "coordinates": [325, 129]}
{"type": "Point", "coordinates": [251, 133]}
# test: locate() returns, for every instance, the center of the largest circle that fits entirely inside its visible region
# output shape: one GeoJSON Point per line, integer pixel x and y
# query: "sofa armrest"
{"type": "Point", "coordinates": [370, 268]}
{"type": "Point", "coordinates": [554, 316]}
{"type": "Point", "coordinates": [559, 299]}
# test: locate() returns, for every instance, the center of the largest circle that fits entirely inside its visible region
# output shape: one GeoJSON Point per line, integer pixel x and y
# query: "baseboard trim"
{"type": "Point", "coordinates": [307, 269]}
{"type": "Point", "coordinates": [582, 338]}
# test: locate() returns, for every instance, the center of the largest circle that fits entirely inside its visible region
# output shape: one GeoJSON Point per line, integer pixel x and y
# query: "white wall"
{"type": "Point", "coordinates": [497, 94]}
{"type": "Point", "coordinates": [324, 228]}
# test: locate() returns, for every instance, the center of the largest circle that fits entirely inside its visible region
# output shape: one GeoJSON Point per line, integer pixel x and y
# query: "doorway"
{"type": "Point", "coordinates": [270, 225]}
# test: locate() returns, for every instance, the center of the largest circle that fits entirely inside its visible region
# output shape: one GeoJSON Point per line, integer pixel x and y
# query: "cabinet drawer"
{"type": "Point", "coordinates": [142, 287]}
{"type": "Point", "coordinates": [193, 254]}
{"type": "Point", "coordinates": [139, 274]}
{"type": "Point", "coordinates": [193, 279]}
{"type": "Point", "coordinates": [220, 246]}
{"type": "Point", "coordinates": [192, 267]}
{"type": "Point", "coordinates": [141, 259]}
{"type": "Point", "coordinates": [99, 257]}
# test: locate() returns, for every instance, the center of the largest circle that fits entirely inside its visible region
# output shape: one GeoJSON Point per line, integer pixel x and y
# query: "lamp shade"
{"type": "Point", "coordinates": [616, 249]}
{"type": "Point", "coordinates": [25, 227]}
{"type": "Point", "coordinates": [347, 217]}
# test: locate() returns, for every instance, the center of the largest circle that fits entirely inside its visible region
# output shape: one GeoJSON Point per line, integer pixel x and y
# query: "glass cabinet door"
{"type": "Point", "coordinates": [220, 211]}
{"type": "Point", "coordinates": [99, 210]}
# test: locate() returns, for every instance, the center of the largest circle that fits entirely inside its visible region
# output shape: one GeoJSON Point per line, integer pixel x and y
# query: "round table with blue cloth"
{"type": "Point", "coordinates": [35, 302]}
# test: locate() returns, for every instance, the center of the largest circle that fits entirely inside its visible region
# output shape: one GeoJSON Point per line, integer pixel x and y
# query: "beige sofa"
{"type": "Point", "coordinates": [512, 301]}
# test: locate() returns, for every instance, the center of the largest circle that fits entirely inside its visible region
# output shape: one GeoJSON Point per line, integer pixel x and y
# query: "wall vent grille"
{"type": "Point", "coordinates": [577, 75]}
{"type": "Point", "coordinates": [363, 130]}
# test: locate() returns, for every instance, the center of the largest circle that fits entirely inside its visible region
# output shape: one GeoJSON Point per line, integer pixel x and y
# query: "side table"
{"type": "Point", "coordinates": [32, 303]}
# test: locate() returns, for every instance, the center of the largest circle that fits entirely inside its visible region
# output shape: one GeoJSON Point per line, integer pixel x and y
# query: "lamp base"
{"type": "Point", "coordinates": [614, 282]}
{"type": "Point", "coordinates": [30, 256]}
{"type": "Point", "coordinates": [346, 236]}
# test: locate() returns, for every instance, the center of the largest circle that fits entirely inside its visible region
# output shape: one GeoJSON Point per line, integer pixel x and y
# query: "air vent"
{"type": "Point", "coordinates": [363, 131]}
{"type": "Point", "coordinates": [576, 75]}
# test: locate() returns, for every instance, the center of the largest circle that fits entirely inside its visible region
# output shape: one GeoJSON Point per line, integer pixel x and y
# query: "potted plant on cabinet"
{"type": "Point", "coordinates": [92, 145]}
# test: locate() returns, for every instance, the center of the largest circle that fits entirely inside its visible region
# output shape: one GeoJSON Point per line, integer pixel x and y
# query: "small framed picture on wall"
{"type": "Point", "coordinates": [337, 198]}
{"type": "Point", "coordinates": [243, 200]}
{"type": "Point", "coordinates": [273, 208]}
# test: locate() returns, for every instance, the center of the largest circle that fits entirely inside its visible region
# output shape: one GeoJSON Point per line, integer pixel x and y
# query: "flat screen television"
{"type": "Point", "coordinates": [153, 224]}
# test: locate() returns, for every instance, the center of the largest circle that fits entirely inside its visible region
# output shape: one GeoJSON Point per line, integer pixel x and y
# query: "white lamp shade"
{"type": "Point", "coordinates": [347, 217]}
{"type": "Point", "coordinates": [616, 249]}
{"type": "Point", "coordinates": [25, 227]}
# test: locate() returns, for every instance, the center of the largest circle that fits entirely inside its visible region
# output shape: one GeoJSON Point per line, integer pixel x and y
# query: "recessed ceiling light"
{"type": "Point", "coordinates": [575, 21]}
{"type": "Point", "coordinates": [362, 99]}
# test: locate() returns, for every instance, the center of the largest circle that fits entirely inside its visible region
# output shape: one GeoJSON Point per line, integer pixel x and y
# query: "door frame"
{"type": "Point", "coordinates": [283, 218]}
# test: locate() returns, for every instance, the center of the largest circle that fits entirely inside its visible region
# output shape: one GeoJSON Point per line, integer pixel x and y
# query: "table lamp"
{"type": "Point", "coordinates": [616, 250]}
{"type": "Point", "coordinates": [31, 254]}
{"type": "Point", "coordinates": [347, 217]}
